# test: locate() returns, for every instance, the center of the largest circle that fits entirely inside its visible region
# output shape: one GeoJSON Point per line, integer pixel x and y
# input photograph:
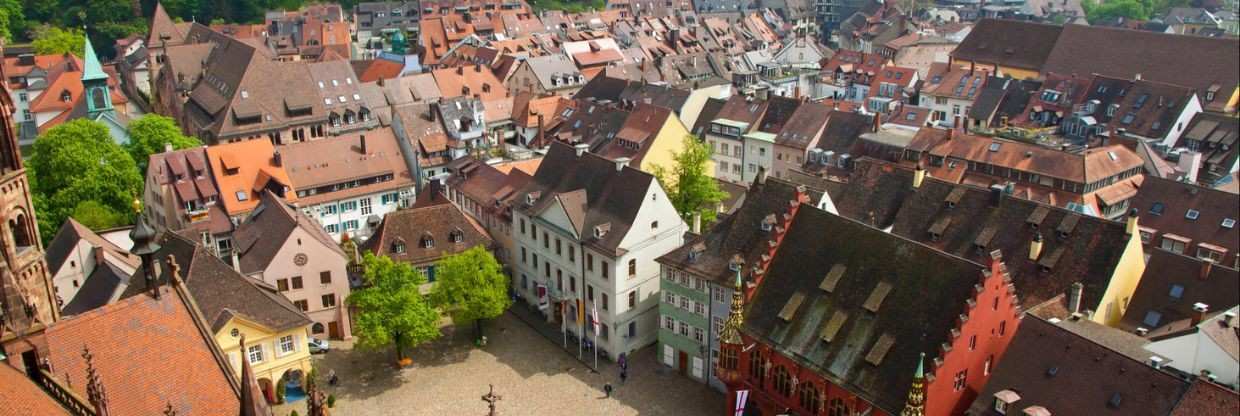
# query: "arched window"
{"type": "Point", "coordinates": [427, 241]}
{"type": "Point", "coordinates": [811, 398]}
{"type": "Point", "coordinates": [317, 328]}
{"type": "Point", "coordinates": [783, 382]}
{"type": "Point", "coordinates": [632, 267]}
{"type": "Point", "coordinates": [398, 246]}
{"type": "Point", "coordinates": [21, 231]}
{"type": "Point", "coordinates": [837, 407]}
{"type": "Point", "coordinates": [456, 236]}
{"type": "Point", "coordinates": [756, 368]}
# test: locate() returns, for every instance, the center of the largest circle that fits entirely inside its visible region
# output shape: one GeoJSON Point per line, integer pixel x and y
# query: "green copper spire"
{"type": "Point", "coordinates": [399, 45]}
{"type": "Point", "coordinates": [916, 404]}
{"type": "Point", "coordinates": [93, 70]}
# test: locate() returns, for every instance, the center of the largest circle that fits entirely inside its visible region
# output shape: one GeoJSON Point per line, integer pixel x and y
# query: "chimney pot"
{"type": "Point", "coordinates": [1131, 226]}
{"type": "Point", "coordinates": [620, 162]}
{"type": "Point", "coordinates": [362, 143]}
{"type": "Point", "coordinates": [919, 175]}
{"type": "Point", "coordinates": [1199, 312]}
{"type": "Point", "coordinates": [581, 148]}
{"type": "Point", "coordinates": [277, 159]}
{"type": "Point", "coordinates": [1035, 247]}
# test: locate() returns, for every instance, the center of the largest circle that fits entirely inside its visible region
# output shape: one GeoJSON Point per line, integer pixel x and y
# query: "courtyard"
{"type": "Point", "coordinates": [533, 374]}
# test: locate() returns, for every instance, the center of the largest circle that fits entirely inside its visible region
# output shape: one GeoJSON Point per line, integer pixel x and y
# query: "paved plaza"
{"type": "Point", "coordinates": [534, 375]}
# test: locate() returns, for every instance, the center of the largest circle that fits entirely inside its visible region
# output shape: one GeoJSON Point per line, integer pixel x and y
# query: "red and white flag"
{"type": "Point", "coordinates": [741, 396]}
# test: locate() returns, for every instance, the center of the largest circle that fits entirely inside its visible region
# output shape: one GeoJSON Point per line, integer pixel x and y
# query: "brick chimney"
{"type": "Point", "coordinates": [878, 121]}
{"type": "Point", "coordinates": [362, 143]}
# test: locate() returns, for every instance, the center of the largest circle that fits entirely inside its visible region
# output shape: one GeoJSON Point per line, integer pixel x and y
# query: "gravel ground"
{"type": "Point", "coordinates": [532, 374]}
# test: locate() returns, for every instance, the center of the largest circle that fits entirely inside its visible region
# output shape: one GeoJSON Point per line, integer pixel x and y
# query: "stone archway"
{"type": "Point", "coordinates": [294, 387]}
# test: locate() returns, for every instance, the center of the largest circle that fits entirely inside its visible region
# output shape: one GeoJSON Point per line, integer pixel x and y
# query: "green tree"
{"type": "Point", "coordinates": [12, 20]}
{"type": "Point", "coordinates": [75, 162]}
{"type": "Point", "coordinates": [148, 135]}
{"type": "Point", "coordinates": [688, 184]}
{"type": "Point", "coordinates": [471, 287]}
{"type": "Point", "coordinates": [391, 309]}
{"type": "Point", "coordinates": [96, 216]}
{"type": "Point", "coordinates": [52, 40]}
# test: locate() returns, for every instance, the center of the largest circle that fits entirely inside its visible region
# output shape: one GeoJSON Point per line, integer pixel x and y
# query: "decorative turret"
{"type": "Point", "coordinates": [916, 404]}
{"type": "Point", "coordinates": [95, 84]}
{"type": "Point", "coordinates": [730, 336]}
{"type": "Point", "coordinates": [399, 44]}
{"type": "Point", "coordinates": [145, 247]}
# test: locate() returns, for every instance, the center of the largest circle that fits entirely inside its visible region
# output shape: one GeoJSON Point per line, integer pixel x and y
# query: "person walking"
{"type": "Point", "coordinates": [607, 389]}
{"type": "Point", "coordinates": [624, 374]}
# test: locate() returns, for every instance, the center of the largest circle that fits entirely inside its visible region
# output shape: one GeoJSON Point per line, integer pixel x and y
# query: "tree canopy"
{"type": "Point", "coordinates": [688, 182]}
{"type": "Point", "coordinates": [390, 309]}
{"type": "Point", "coordinates": [52, 40]}
{"type": "Point", "coordinates": [1098, 11]}
{"type": "Point", "coordinates": [470, 286]}
{"type": "Point", "coordinates": [12, 19]}
{"type": "Point", "coordinates": [96, 216]}
{"type": "Point", "coordinates": [148, 135]}
{"type": "Point", "coordinates": [75, 162]}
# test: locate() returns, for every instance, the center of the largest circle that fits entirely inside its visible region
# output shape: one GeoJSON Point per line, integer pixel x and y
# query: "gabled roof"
{"type": "Point", "coordinates": [1048, 366]}
{"type": "Point", "coordinates": [148, 353]}
{"type": "Point", "coordinates": [267, 229]}
{"type": "Point", "coordinates": [613, 195]}
{"type": "Point", "coordinates": [1207, 399]}
{"type": "Point", "coordinates": [1086, 167]}
{"type": "Point", "coordinates": [19, 395]}
{"type": "Point", "coordinates": [804, 126]}
{"type": "Point", "coordinates": [743, 110]}
{"type": "Point", "coordinates": [255, 168]}
{"type": "Point", "coordinates": [552, 66]}
{"type": "Point", "coordinates": [67, 238]}
{"type": "Point", "coordinates": [901, 299]}
{"type": "Point", "coordinates": [437, 221]}
{"type": "Point", "coordinates": [219, 290]}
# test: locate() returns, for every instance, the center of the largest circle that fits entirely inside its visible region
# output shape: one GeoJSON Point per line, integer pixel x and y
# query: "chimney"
{"type": "Point", "coordinates": [1206, 266]}
{"type": "Point", "coordinates": [1074, 297]}
{"type": "Point", "coordinates": [951, 132]}
{"type": "Point", "coordinates": [460, 70]}
{"type": "Point", "coordinates": [878, 121]}
{"type": "Point", "coordinates": [620, 162]}
{"type": "Point", "coordinates": [1229, 319]}
{"type": "Point", "coordinates": [98, 254]}
{"type": "Point", "coordinates": [362, 144]}
{"type": "Point", "coordinates": [996, 195]}
{"type": "Point", "coordinates": [697, 222]}
{"type": "Point", "coordinates": [380, 81]}
{"type": "Point", "coordinates": [1156, 361]}
{"type": "Point", "coordinates": [581, 148]}
{"type": "Point", "coordinates": [1035, 247]}
{"type": "Point", "coordinates": [919, 175]}
{"type": "Point", "coordinates": [1131, 226]}
{"type": "Point", "coordinates": [435, 188]}
{"type": "Point", "coordinates": [277, 160]}
{"type": "Point", "coordinates": [541, 132]}
{"type": "Point", "coordinates": [478, 68]}
{"type": "Point", "coordinates": [1199, 312]}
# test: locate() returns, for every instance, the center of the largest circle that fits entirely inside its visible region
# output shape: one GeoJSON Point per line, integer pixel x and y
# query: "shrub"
{"type": "Point", "coordinates": [331, 401]}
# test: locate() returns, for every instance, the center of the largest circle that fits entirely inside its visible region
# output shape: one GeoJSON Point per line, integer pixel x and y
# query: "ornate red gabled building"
{"type": "Point", "coordinates": [843, 313]}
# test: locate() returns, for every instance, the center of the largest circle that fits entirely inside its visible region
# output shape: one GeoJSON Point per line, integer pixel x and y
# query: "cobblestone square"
{"type": "Point", "coordinates": [534, 375]}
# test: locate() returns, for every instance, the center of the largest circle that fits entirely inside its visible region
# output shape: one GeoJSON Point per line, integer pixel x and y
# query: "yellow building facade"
{"type": "Point", "coordinates": [275, 356]}
{"type": "Point", "coordinates": [667, 142]}
{"type": "Point", "coordinates": [1124, 279]}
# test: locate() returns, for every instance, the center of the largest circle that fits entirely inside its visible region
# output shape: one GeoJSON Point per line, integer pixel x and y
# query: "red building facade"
{"type": "Point", "coordinates": [820, 355]}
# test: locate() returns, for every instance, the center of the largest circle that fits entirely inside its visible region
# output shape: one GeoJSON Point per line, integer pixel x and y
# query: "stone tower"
{"type": "Point", "coordinates": [27, 301]}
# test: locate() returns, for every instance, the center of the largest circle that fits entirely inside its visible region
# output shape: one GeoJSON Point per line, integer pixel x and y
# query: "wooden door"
{"type": "Point", "coordinates": [333, 330]}
{"type": "Point", "coordinates": [683, 362]}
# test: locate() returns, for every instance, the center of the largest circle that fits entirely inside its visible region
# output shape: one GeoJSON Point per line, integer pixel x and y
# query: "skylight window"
{"type": "Point", "coordinates": [334, 83]}
{"type": "Point", "coordinates": [320, 85]}
{"type": "Point", "coordinates": [1128, 118]}
{"type": "Point", "coordinates": [1177, 291]}
{"type": "Point", "coordinates": [911, 116]}
{"type": "Point", "coordinates": [243, 195]}
{"type": "Point", "coordinates": [245, 94]}
{"type": "Point", "coordinates": [357, 97]}
{"type": "Point", "coordinates": [994, 147]}
{"type": "Point", "coordinates": [327, 101]}
{"type": "Point", "coordinates": [1229, 223]}
{"type": "Point", "coordinates": [348, 81]}
{"type": "Point", "coordinates": [1192, 214]}
{"type": "Point", "coordinates": [1151, 319]}
{"type": "Point", "coordinates": [341, 99]}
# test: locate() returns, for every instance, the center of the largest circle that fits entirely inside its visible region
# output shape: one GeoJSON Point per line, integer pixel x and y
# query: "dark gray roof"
{"type": "Point", "coordinates": [267, 228]}
{"type": "Point", "coordinates": [99, 289]}
{"type": "Point", "coordinates": [220, 291]}
{"type": "Point", "coordinates": [613, 196]}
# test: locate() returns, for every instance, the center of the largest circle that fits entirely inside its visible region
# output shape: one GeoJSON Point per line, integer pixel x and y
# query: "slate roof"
{"type": "Point", "coordinates": [67, 238]}
{"type": "Point", "coordinates": [881, 194]}
{"type": "Point", "coordinates": [742, 109]}
{"type": "Point", "coordinates": [1068, 374]}
{"type": "Point", "coordinates": [267, 229]}
{"type": "Point", "coordinates": [927, 291]}
{"type": "Point", "coordinates": [1173, 283]}
{"type": "Point", "coordinates": [1163, 205]}
{"type": "Point", "coordinates": [437, 221]}
{"type": "Point", "coordinates": [220, 291]}
{"type": "Point", "coordinates": [1204, 398]}
{"type": "Point", "coordinates": [613, 196]}
{"type": "Point", "coordinates": [659, 95]}
{"type": "Point", "coordinates": [738, 233]}
{"type": "Point", "coordinates": [842, 130]}
{"type": "Point", "coordinates": [19, 395]}
{"type": "Point", "coordinates": [555, 65]}
{"type": "Point", "coordinates": [1011, 43]}
{"type": "Point", "coordinates": [149, 353]}
{"type": "Point", "coordinates": [1087, 167]}
{"type": "Point", "coordinates": [103, 286]}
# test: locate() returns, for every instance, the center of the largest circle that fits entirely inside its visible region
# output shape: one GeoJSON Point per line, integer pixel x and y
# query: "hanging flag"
{"type": "Point", "coordinates": [581, 312]}
{"type": "Point", "coordinates": [741, 396]}
{"type": "Point", "coordinates": [594, 319]}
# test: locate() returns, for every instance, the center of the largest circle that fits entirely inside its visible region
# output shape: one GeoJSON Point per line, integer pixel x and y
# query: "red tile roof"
{"type": "Point", "coordinates": [148, 353]}
{"type": "Point", "coordinates": [20, 396]}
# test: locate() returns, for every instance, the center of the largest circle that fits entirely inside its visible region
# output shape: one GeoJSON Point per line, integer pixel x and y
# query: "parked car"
{"type": "Point", "coordinates": [318, 346]}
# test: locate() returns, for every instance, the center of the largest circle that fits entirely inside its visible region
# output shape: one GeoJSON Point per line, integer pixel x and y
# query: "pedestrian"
{"type": "Point", "coordinates": [607, 389]}
{"type": "Point", "coordinates": [624, 374]}
{"type": "Point", "coordinates": [331, 377]}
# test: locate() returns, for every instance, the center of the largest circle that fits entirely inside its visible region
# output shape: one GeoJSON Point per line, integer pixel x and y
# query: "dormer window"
{"type": "Point", "coordinates": [427, 241]}
{"type": "Point", "coordinates": [398, 246]}
{"type": "Point", "coordinates": [456, 236]}
{"type": "Point", "coordinates": [65, 96]}
{"type": "Point", "coordinates": [601, 230]}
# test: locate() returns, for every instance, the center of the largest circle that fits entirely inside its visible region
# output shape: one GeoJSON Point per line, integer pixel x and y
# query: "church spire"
{"type": "Point", "coordinates": [95, 83]}
{"type": "Point", "coordinates": [916, 404]}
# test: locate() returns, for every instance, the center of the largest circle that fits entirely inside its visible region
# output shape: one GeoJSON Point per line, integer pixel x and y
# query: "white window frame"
{"type": "Point", "coordinates": [286, 345]}
{"type": "Point", "coordinates": [254, 353]}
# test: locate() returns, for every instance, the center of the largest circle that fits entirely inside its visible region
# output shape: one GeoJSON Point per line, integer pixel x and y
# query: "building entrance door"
{"type": "Point", "coordinates": [333, 330]}
{"type": "Point", "coordinates": [683, 362]}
